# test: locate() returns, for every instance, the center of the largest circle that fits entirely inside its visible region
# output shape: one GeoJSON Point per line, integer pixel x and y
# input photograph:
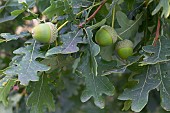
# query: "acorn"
{"type": "Point", "coordinates": [105, 36]}
{"type": "Point", "coordinates": [124, 48]}
{"type": "Point", "coordinates": [45, 32]}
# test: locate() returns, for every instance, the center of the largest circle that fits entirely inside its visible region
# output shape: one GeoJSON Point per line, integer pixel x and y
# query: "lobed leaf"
{"type": "Point", "coordinates": [69, 11]}
{"type": "Point", "coordinates": [94, 49]}
{"type": "Point", "coordinates": [164, 87]}
{"type": "Point", "coordinates": [70, 42]}
{"type": "Point", "coordinates": [122, 68]}
{"type": "Point", "coordinates": [165, 4]}
{"type": "Point", "coordinates": [96, 86]}
{"type": "Point", "coordinates": [41, 96]}
{"type": "Point", "coordinates": [147, 81]}
{"type": "Point", "coordinates": [158, 53]}
{"type": "Point", "coordinates": [129, 28]}
{"type": "Point", "coordinates": [56, 8]}
{"type": "Point", "coordinates": [4, 91]}
{"type": "Point", "coordinates": [9, 37]}
{"type": "Point", "coordinates": [27, 67]}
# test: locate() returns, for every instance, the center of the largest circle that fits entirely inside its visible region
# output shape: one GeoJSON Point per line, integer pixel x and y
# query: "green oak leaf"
{"type": "Point", "coordinates": [80, 3]}
{"type": "Point", "coordinates": [74, 7]}
{"type": "Point", "coordinates": [41, 96]}
{"type": "Point", "coordinates": [70, 41]}
{"type": "Point", "coordinates": [69, 11]}
{"type": "Point", "coordinates": [164, 85]}
{"type": "Point", "coordinates": [2, 40]}
{"type": "Point", "coordinates": [122, 68]}
{"type": "Point", "coordinates": [107, 52]}
{"type": "Point", "coordinates": [7, 7]}
{"type": "Point", "coordinates": [15, 7]}
{"type": "Point", "coordinates": [4, 80]}
{"type": "Point", "coordinates": [9, 37]}
{"type": "Point", "coordinates": [165, 5]}
{"type": "Point", "coordinates": [7, 18]}
{"type": "Point", "coordinates": [4, 91]}
{"type": "Point", "coordinates": [30, 17]}
{"type": "Point", "coordinates": [17, 12]}
{"type": "Point", "coordinates": [127, 105]}
{"type": "Point", "coordinates": [130, 4]}
{"type": "Point", "coordinates": [158, 53]}
{"type": "Point", "coordinates": [42, 4]}
{"type": "Point", "coordinates": [58, 62]}
{"type": "Point", "coordinates": [129, 28]}
{"type": "Point", "coordinates": [96, 86]}
{"type": "Point", "coordinates": [65, 7]}
{"type": "Point", "coordinates": [27, 68]}
{"type": "Point", "coordinates": [56, 8]}
{"type": "Point", "coordinates": [147, 81]}
{"type": "Point", "coordinates": [104, 65]}
{"type": "Point", "coordinates": [94, 49]}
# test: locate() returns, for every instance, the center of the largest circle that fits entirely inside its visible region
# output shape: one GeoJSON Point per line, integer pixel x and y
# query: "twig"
{"type": "Point", "coordinates": [77, 15]}
{"type": "Point", "coordinates": [93, 15]}
{"type": "Point", "coordinates": [157, 33]}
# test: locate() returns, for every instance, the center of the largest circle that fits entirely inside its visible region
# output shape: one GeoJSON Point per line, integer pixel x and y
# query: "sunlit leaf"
{"type": "Point", "coordinates": [4, 91]}
{"type": "Point", "coordinates": [158, 53]}
{"type": "Point", "coordinates": [9, 37]}
{"type": "Point", "coordinates": [165, 5]}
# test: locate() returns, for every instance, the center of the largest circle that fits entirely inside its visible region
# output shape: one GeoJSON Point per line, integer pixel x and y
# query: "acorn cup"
{"type": "Point", "coordinates": [45, 32]}
{"type": "Point", "coordinates": [124, 49]}
{"type": "Point", "coordinates": [106, 36]}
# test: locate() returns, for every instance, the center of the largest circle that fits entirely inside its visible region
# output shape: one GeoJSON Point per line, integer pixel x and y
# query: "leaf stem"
{"type": "Point", "coordinates": [119, 37]}
{"type": "Point", "coordinates": [113, 17]}
{"type": "Point", "coordinates": [113, 21]}
{"type": "Point", "coordinates": [62, 25]}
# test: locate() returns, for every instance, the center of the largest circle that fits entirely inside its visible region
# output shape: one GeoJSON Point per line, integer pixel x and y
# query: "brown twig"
{"type": "Point", "coordinates": [157, 33]}
{"type": "Point", "coordinates": [93, 15]}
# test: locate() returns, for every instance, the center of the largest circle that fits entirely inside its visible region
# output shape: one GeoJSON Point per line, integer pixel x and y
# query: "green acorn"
{"type": "Point", "coordinates": [124, 48]}
{"type": "Point", "coordinates": [105, 36]}
{"type": "Point", "coordinates": [45, 32]}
